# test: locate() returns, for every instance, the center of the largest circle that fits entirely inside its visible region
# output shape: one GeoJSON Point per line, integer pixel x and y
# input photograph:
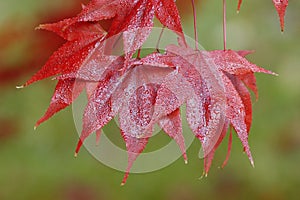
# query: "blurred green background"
{"type": "Point", "coordinates": [40, 164]}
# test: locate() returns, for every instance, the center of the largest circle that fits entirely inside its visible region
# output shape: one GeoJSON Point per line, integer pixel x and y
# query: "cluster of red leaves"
{"type": "Point", "coordinates": [150, 90]}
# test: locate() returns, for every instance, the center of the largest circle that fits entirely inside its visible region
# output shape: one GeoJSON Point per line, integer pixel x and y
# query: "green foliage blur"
{"type": "Point", "coordinates": [40, 164]}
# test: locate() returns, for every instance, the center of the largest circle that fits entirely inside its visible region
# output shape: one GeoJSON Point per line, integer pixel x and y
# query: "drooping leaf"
{"type": "Point", "coordinates": [209, 157]}
{"type": "Point", "coordinates": [172, 125]}
{"type": "Point", "coordinates": [134, 100]}
{"type": "Point", "coordinates": [281, 6]}
{"type": "Point", "coordinates": [99, 111]}
{"type": "Point", "coordinates": [134, 147]}
{"type": "Point", "coordinates": [190, 83]}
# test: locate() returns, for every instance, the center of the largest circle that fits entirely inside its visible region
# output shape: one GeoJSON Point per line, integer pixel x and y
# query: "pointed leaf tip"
{"type": "Point", "coordinates": [185, 161]}
{"type": "Point", "coordinates": [204, 175]}
{"type": "Point", "coordinates": [252, 163]}
{"type": "Point", "coordinates": [229, 149]}
{"type": "Point", "coordinates": [125, 178]}
{"type": "Point", "coordinates": [79, 144]}
{"type": "Point", "coordinates": [281, 6]}
{"type": "Point", "coordinates": [239, 6]}
{"type": "Point", "coordinates": [39, 27]}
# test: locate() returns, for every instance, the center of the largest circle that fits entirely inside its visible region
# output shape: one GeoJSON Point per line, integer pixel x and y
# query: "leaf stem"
{"type": "Point", "coordinates": [139, 53]}
{"type": "Point", "coordinates": [195, 25]}
{"type": "Point", "coordinates": [224, 25]}
{"type": "Point", "coordinates": [159, 39]}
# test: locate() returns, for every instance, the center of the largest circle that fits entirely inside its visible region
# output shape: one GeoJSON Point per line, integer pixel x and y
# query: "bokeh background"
{"type": "Point", "coordinates": [40, 164]}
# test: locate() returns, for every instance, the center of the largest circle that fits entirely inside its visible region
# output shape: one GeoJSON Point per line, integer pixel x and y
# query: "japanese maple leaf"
{"type": "Point", "coordinates": [234, 71]}
{"type": "Point", "coordinates": [130, 94]}
{"type": "Point", "coordinates": [237, 73]}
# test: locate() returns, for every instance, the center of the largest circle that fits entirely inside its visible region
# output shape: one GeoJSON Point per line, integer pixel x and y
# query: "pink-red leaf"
{"type": "Point", "coordinates": [137, 26]}
{"type": "Point", "coordinates": [236, 113]}
{"type": "Point", "coordinates": [98, 10]}
{"type": "Point", "coordinates": [281, 6]}
{"type": "Point", "coordinates": [233, 63]}
{"type": "Point", "coordinates": [99, 111]}
{"type": "Point", "coordinates": [209, 157]}
{"type": "Point", "coordinates": [134, 147]}
{"type": "Point", "coordinates": [134, 101]}
{"type": "Point", "coordinates": [246, 99]}
{"type": "Point", "coordinates": [172, 125]}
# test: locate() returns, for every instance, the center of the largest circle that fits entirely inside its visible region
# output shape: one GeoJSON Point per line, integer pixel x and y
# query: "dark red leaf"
{"type": "Point", "coordinates": [65, 92]}
{"type": "Point", "coordinates": [66, 59]}
{"type": "Point", "coordinates": [246, 99]}
{"type": "Point", "coordinates": [172, 126]}
{"type": "Point", "coordinates": [239, 5]}
{"type": "Point", "coordinates": [72, 54]}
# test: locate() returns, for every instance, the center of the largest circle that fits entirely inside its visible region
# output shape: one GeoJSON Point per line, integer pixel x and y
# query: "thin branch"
{"type": "Point", "coordinates": [224, 25]}
{"type": "Point", "coordinates": [159, 39]}
{"type": "Point", "coordinates": [195, 25]}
